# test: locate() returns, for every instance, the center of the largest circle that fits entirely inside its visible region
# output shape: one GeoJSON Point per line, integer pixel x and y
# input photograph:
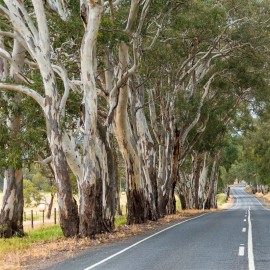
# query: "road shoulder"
{"type": "Point", "coordinates": [46, 255]}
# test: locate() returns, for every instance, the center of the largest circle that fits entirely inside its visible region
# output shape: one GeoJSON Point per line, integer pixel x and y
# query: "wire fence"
{"type": "Point", "coordinates": [34, 218]}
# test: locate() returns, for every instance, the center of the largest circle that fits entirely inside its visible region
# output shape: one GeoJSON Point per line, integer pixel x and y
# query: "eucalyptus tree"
{"type": "Point", "coordinates": [122, 85]}
{"type": "Point", "coordinates": [11, 215]}
{"type": "Point", "coordinates": [185, 80]}
{"type": "Point", "coordinates": [209, 39]}
{"type": "Point", "coordinates": [84, 146]}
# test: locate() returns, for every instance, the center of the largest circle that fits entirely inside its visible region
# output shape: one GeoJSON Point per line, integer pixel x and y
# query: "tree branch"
{"type": "Point", "coordinates": [24, 90]}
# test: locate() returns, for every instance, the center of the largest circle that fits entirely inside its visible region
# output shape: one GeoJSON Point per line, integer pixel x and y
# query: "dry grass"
{"type": "Point", "coordinates": [48, 252]}
{"type": "Point", "coordinates": [38, 223]}
{"type": "Point", "coordinates": [248, 189]}
{"type": "Point", "coordinates": [42, 254]}
{"type": "Point", "coordinates": [265, 199]}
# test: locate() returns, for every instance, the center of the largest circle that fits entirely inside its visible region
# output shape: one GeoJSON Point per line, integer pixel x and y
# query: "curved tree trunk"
{"type": "Point", "coordinates": [136, 200]}
{"type": "Point", "coordinates": [90, 186]}
{"type": "Point", "coordinates": [68, 209]}
{"type": "Point", "coordinates": [11, 215]}
{"type": "Point", "coordinates": [146, 151]}
{"type": "Point", "coordinates": [106, 182]}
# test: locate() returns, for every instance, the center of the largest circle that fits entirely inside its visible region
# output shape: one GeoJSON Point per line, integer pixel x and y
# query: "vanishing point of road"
{"type": "Point", "coordinates": [236, 238]}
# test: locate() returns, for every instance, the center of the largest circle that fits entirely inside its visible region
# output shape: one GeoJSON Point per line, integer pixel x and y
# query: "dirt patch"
{"type": "Point", "coordinates": [264, 198]}
{"type": "Point", "coordinates": [44, 255]}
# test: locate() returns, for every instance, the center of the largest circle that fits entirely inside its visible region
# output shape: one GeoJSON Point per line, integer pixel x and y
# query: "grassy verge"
{"type": "Point", "coordinates": [221, 199]}
{"type": "Point", "coordinates": [47, 234]}
{"type": "Point", "coordinates": [120, 220]}
{"type": "Point", "coordinates": [248, 189]}
{"type": "Point", "coordinates": [41, 235]}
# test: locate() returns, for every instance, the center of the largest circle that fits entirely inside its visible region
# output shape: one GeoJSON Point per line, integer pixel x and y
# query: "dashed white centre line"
{"type": "Point", "coordinates": [244, 229]}
{"type": "Point", "coordinates": [245, 220]}
{"type": "Point", "coordinates": [251, 264]}
{"type": "Point", "coordinates": [241, 251]}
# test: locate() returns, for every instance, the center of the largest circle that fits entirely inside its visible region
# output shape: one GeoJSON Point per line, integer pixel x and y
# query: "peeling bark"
{"type": "Point", "coordinates": [106, 173]}
{"type": "Point", "coordinates": [11, 215]}
{"type": "Point", "coordinates": [211, 199]}
{"type": "Point", "coordinates": [147, 153]}
{"type": "Point", "coordinates": [136, 201]}
{"type": "Point", "coordinates": [89, 185]}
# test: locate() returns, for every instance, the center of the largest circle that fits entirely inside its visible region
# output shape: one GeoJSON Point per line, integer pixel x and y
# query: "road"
{"type": "Point", "coordinates": [236, 238]}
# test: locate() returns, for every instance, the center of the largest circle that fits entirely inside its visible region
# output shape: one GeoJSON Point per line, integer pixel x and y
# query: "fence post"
{"type": "Point", "coordinates": [43, 216]}
{"type": "Point", "coordinates": [32, 219]}
{"type": "Point", "coordinates": [54, 215]}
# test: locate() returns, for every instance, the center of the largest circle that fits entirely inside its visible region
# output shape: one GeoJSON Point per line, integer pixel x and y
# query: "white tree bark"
{"type": "Point", "coordinates": [137, 210]}
{"type": "Point", "coordinates": [60, 7]}
{"type": "Point", "coordinates": [147, 153]}
{"type": "Point", "coordinates": [37, 43]}
{"type": "Point", "coordinates": [91, 13]}
{"type": "Point", "coordinates": [11, 215]}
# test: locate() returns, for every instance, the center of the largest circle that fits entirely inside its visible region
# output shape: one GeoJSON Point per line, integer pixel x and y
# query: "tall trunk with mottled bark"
{"type": "Point", "coordinates": [146, 151]}
{"type": "Point", "coordinates": [203, 181]}
{"type": "Point", "coordinates": [38, 44]}
{"type": "Point", "coordinates": [136, 200]}
{"type": "Point", "coordinates": [11, 215]}
{"type": "Point", "coordinates": [211, 199]}
{"type": "Point", "coordinates": [89, 185]}
{"type": "Point", "coordinates": [106, 181]}
{"type": "Point", "coordinates": [171, 205]}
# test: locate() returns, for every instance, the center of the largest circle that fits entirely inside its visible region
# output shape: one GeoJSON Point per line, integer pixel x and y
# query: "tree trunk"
{"type": "Point", "coordinates": [90, 186]}
{"type": "Point", "coordinates": [211, 201]}
{"type": "Point", "coordinates": [195, 178]}
{"type": "Point", "coordinates": [106, 179]}
{"type": "Point", "coordinates": [49, 212]}
{"type": "Point", "coordinates": [68, 209]}
{"type": "Point", "coordinates": [146, 151]}
{"type": "Point", "coordinates": [136, 200]}
{"type": "Point", "coordinates": [171, 206]}
{"type": "Point", "coordinates": [160, 180]}
{"type": "Point", "coordinates": [118, 184]}
{"type": "Point", "coordinates": [11, 216]}
{"type": "Point", "coordinates": [203, 181]}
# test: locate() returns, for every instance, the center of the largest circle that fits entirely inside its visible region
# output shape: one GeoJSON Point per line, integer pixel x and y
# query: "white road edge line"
{"type": "Point", "coordinates": [241, 251]}
{"type": "Point", "coordinates": [251, 264]}
{"type": "Point", "coordinates": [262, 205]}
{"type": "Point", "coordinates": [139, 242]}
{"type": "Point", "coordinates": [244, 230]}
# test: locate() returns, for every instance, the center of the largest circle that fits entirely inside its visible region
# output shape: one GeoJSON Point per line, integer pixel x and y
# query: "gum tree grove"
{"type": "Point", "coordinates": [161, 83]}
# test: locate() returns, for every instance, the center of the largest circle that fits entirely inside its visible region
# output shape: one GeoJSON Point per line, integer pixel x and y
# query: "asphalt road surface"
{"type": "Point", "coordinates": [236, 238]}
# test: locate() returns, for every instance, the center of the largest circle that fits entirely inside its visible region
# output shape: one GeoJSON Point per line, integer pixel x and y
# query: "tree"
{"type": "Point", "coordinates": [32, 196]}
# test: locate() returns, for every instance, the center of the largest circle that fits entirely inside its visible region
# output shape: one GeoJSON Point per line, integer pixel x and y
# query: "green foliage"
{"type": "Point", "coordinates": [221, 199]}
{"type": "Point", "coordinates": [251, 163]}
{"type": "Point", "coordinates": [31, 193]}
{"type": "Point", "coordinates": [41, 235]}
{"type": "Point", "coordinates": [39, 181]}
{"type": "Point", "coordinates": [120, 221]}
{"type": "Point", "coordinates": [1, 183]}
